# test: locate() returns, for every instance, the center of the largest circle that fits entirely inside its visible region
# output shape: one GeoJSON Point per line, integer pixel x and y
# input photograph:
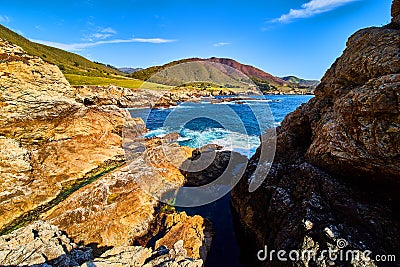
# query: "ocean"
{"type": "Point", "coordinates": [235, 126]}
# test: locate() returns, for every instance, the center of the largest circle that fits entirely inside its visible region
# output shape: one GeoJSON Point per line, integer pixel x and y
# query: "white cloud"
{"type": "Point", "coordinates": [80, 46]}
{"type": "Point", "coordinates": [220, 44]}
{"type": "Point", "coordinates": [100, 36]}
{"type": "Point", "coordinates": [4, 19]}
{"type": "Point", "coordinates": [108, 30]}
{"type": "Point", "coordinates": [312, 8]}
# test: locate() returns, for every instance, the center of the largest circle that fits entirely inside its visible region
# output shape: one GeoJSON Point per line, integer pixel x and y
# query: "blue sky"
{"type": "Point", "coordinates": [282, 37]}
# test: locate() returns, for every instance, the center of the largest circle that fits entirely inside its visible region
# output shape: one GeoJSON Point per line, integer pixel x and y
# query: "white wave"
{"type": "Point", "coordinates": [230, 141]}
{"type": "Point", "coordinates": [156, 133]}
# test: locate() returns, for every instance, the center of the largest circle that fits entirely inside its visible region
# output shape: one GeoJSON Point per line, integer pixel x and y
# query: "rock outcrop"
{"type": "Point", "coordinates": [40, 243]}
{"type": "Point", "coordinates": [79, 163]}
{"type": "Point", "coordinates": [337, 165]}
{"type": "Point", "coordinates": [44, 245]}
{"type": "Point", "coordinates": [396, 13]}
{"type": "Point", "coordinates": [194, 231]}
{"type": "Point", "coordinates": [139, 98]}
{"type": "Point", "coordinates": [50, 143]}
{"type": "Point", "coordinates": [116, 209]}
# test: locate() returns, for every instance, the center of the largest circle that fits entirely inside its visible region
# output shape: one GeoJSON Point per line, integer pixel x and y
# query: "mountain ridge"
{"type": "Point", "coordinates": [266, 82]}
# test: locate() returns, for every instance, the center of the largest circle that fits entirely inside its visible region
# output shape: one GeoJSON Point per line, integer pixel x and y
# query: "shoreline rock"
{"type": "Point", "coordinates": [336, 170]}
{"type": "Point", "coordinates": [44, 245]}
{"type": "Point", "coordinates": [62, 161]}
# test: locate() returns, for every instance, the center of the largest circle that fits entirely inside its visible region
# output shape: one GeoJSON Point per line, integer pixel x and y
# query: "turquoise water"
{"type": "Point", "coordinates": [234, 126]}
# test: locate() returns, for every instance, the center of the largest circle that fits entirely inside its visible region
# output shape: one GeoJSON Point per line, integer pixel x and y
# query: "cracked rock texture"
{"type": "Point", "coordinates": [337, 164]}
{"type": "Point", "coordinates": [43, 245]}
{"type": "Point", "coordinates": [50, 143]}
{"type": "Point", "coordinates": [81, 167]}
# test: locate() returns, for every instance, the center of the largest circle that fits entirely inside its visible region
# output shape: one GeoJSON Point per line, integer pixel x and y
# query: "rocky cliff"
{"type": "Point", "coordinates": [50, 143]}
{"type": "Point", "coordinates": [336, 172]}
{"type": "Point", "coordinates": [62, 161]}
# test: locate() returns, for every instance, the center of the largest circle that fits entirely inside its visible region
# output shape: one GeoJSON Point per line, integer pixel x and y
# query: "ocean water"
{"type": "Point", "coordinates": [235, 127]}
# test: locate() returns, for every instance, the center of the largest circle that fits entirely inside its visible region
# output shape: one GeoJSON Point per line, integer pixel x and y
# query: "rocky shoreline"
{"type": "Point", "coordinates": [141, 98]}
{"type": "Point", "coordinates": [77, 179]}
{"type": "Point", "coordinates": [67, 180]}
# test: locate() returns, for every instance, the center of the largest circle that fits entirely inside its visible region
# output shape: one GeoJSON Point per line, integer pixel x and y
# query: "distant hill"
{"type": "Point", "coordinates": [266, 82]}
{"type": "Point", "coordinates": [69, 63]}
{"type": "Point", "coordinates": [128, 70]}
{"type": "Point", "coordinates": [301, 82]}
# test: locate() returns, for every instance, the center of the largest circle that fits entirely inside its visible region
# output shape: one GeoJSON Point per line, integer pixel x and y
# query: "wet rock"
{"type": "Point", "coordinates": [209, 163]}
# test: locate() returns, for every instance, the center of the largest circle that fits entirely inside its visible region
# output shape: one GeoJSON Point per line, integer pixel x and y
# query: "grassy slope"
{"type": "Point", "coordinates": [265, 85]}
{"type": "Point", "coordinates": [69, 63]}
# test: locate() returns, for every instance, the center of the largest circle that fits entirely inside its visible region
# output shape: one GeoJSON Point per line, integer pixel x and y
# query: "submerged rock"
{"type": "Point", "coordinates": [335, 180]}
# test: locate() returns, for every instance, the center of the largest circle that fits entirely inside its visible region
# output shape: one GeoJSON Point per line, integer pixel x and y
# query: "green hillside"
{"type": "Point", "coordinates": [265, 82]}
{"type": "Point", "coordinates": [69, 63]}
{"type": "Point", "coordinates": [301, 82]}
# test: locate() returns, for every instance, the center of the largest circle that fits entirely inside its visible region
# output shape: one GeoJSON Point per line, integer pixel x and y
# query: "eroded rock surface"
{"type": "Point", "coordinates": [337, 164]}
{"type": "Point", "coordinates": [116, 209]}
{"type": "Point", "coordinates": [194, 231]}
{"type": "Point", "coordinates": [62, 160]}
{"type": "Point", "coordinates": [51, 143]}
{"type": "Point", "coordinates": [396, 13]}
{"type": "Point", "coordinates": [43, 245]}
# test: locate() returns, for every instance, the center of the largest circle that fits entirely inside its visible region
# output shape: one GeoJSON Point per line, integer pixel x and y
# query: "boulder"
{"type": "Point", "coordinates": [117, 208]}
{"type": "Point", "coordinates": [41, 243]}
{"type": "Point", "coordinates": [190, 234]}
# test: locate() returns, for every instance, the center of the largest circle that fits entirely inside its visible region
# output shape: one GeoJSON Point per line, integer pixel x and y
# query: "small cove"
{"type": "Point", "coordinates": [198, 128]}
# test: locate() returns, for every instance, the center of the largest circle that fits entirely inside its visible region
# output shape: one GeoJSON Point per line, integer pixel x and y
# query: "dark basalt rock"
{"type": "Point", "coordinates": [209, 163]}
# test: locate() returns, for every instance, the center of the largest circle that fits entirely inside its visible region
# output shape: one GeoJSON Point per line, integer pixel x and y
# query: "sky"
{"type": "Point", "coordinates": [282, 37]}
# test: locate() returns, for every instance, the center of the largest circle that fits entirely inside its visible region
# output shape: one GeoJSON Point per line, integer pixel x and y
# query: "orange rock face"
{"type": "Point", "coordinates": [50, 143]}
{"type": "Point", "coordinates": [58, 158]}
{"type": "Point", "coordinates": [194, 231]}
{"type": "Point", "coordinates": [117, 209]}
